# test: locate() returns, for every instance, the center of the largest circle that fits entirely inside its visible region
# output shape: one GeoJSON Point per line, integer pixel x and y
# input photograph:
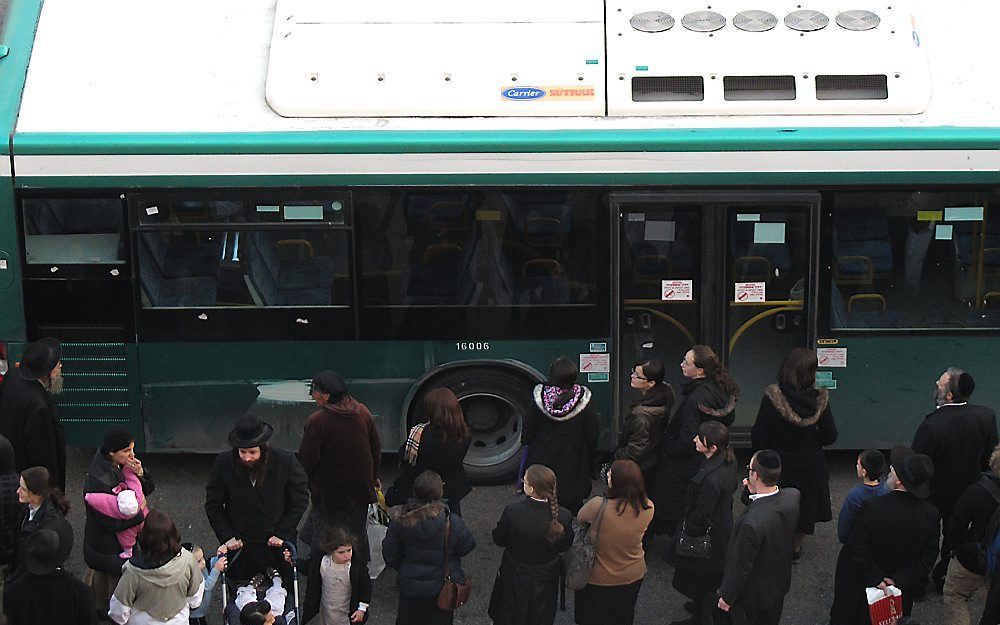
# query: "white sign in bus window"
{"type": "Point", "coordinates": [595, 363]}
{"type": "Point", "coordinates": [831, 356]}
{"type": "Point", "coordinates": [944, 232]}
{"type": "Point", "coordinates": [747, 216]}
{"type": "Point", "coordinates": [660, 230]}
{"type": "Point", "coordinates": [677, 290]}
{"type": "Point", "coordinates": [963, 213]}
{"type": "Point", "coordinates": [750, 292]}
{"type": "Point", "coordinates": [768, 232]}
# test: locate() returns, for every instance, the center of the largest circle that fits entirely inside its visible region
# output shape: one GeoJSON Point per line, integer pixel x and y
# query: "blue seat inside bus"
{"type": "Point", "coordinates": [441, 276]}
{"type": "Point", "coordinates": [756, 261]}
{"type": "Point", "coordinates": [966, 237]}
{"type": "Point", "coordinates": [543, 219]}
{"type": "Point", "coordinates": [284, 280]}
{"type": "Point", "coordinates": [171, 278]}
{"type": "Point", "coordinates": [863, 311]}
{"type": "Point", "coordinates": [862, 246]}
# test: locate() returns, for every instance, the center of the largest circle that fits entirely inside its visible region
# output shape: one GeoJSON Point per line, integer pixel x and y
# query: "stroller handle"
{"type": "Point", "coordinates": [290, 546]}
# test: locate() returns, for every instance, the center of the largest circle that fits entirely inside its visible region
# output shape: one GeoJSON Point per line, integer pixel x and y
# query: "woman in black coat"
{"type": "Point", "coordinates": [561, 432]}
{"type": "Point", "coordinates": [415, 546]}
{"type": "Point", "coordinates": [45, 508]}
{"type": "Point", "coordinates": [708, 395]}
{"type": "Point", "coordinates": [795, 420]}
{"type": "Point", "coordinates": [534, 531]}
{"type": "Point", "coordinates": [100, 534]}
{"type": "Point", "coordinates": [709, 510]}
{"type": "Point", "coordinates": [647, 418]}
{"type": "Point", "coordinates": [439, 446]}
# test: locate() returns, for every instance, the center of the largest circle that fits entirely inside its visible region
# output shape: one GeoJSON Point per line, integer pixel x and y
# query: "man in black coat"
{"type": "Point", "coordinates": [959, 438]}
{"type": "Point", "coordinates": [27, 415]}
{"type": "Point", "coordinates": [758, 569]}
{"type": "Point", "coordinates": [49, 594]}
{"type": "Point", "coordinates": [254, 499]}
{"type": "Point", "coordinates": [893, 542]}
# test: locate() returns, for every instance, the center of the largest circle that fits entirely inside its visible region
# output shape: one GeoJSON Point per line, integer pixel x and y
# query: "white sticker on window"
{"type": "Point", "coordinates": [3, 264]}
{"type": "Point", "coordinates": [944, 232]}
{"type": "Point", "coordinates": [750, 292]}
{"type": "Point", "coordinates": [115, 272]}
{"type": "Point", "coordinates": [152, 210]}
{"type": "Point", "coordinates": [637, 216]}
{"type": "Point", "coordinates": [595, 363]}
{"type": "Point", "coordinates": [768, 232]}
{"type": "Point", "coordinates": [963, 213]}
{"type": "Point", "coordinates": [676, 290]}
{"type": "Point", "coordinates": [831, 356]}
{"type": "Point", "coordinates": [747, 216]}
{"type": "Point", "coordinates": [660, 230]}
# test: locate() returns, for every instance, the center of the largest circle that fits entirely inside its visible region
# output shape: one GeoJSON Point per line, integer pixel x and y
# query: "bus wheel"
{"type": "Point", "coordinates": [494, 401]}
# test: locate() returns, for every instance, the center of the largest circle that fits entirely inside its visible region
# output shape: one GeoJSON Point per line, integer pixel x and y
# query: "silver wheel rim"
{"type": "Point", "coordinates": [495, 426]}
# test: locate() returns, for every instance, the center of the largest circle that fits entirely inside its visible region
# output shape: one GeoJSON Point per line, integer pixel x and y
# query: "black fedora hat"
{"type": "Point", "coordinates": [47, 548]}
{"type": "Point", "coordinates": [915, 472]}
{"type": "Point", "coordinates": [250, 432]}
{"type": "Point", "coordinates": [40, 358]}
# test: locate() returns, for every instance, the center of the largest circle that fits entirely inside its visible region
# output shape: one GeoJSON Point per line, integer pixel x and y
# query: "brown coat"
{"type": "Point", "coordinates": [620, 557]}
{"type": "Point", "coordinates": [341, 451]}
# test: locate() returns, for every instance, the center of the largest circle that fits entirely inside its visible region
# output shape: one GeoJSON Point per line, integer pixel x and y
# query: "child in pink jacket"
{"type": "Point", "coordinates": [127, 500]}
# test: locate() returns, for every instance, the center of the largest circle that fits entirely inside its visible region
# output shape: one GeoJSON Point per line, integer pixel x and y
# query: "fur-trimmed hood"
{"type": "Point", "coordinates": [712, 400]}
{"type": "Point", "coordinates": [415, 513]}
{"type": "Point", "coordinates": [792, 405]}
{"type": "Point", "coordinates": [582, 402]}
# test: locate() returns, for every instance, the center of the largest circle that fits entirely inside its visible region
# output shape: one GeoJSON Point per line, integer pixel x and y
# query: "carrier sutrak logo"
{"type": "Point", "coordinates": [548, 93]}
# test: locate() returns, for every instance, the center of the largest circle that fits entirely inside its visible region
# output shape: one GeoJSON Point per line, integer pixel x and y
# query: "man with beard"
{"type": "Point", "coordinates": [958, 437]}
{"type": "Point", "coordinates": [27, 414]}
{"type": "Point", "coordinates": [254, 499]}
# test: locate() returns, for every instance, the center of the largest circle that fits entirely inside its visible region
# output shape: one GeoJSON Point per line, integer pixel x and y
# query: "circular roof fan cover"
{"type": "Point", "coordinates": [755, 21]}
{"type": "Point", "coordinates": [703, 21]}
{"type": "Point", "coordinates": [652, 22]}
{"type": "Point", "coordinates": [806, 20]}
{"type": "Point", "coordinates": [858, 20]}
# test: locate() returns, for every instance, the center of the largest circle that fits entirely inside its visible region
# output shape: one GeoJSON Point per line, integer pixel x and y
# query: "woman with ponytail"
{"type": "Point", "coordinates": [45, 507]}
{"type": "Point", "coordinates": [708, 510]}
{"type": "Point", "coordinates": [561, 432]}
{"type": "Point", "coordinates": [709, 394]}
{"type": "Point", "coordinates": [533, 531]}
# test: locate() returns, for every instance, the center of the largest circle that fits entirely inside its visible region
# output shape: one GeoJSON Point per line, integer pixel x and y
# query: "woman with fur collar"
{"type": "Point", "coordinates": [561, 432]}
{"type": "Point", "coordinates": [414, 546]}
{"type": "Point", "coordinates": [795, 420]}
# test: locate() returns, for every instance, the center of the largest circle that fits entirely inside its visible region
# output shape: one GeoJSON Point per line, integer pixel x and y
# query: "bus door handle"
{"type": "Point", "coordinates": [645, 321]}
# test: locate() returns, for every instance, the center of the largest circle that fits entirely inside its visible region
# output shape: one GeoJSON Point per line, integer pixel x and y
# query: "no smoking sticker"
{"type": "Point", "coordinates": [676, 290]}
{"type": "Point", "coordinates": [595, 363]}
{"type": "Point", "coordinates": [749, 292]}
{"type": "Point", "coordinates": [831, 356]}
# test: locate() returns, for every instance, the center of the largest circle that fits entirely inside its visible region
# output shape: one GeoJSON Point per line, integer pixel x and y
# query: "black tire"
{"type": "Point", "coordinates": [494, 400]}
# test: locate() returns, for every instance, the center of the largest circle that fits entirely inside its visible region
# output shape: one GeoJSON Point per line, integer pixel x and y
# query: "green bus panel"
{"type": "Point", "coordinates": [888, 386]}
{"type": "Point", "coordinates": [192, 393]}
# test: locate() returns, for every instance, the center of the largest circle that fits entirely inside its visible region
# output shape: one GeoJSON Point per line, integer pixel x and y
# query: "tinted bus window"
{"type": "Point", "coordinates": [914, 260]}
{"type": "Point", "coordinates": [76, 231]}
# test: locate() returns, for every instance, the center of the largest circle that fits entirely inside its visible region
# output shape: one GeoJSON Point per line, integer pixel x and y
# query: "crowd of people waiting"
{"type": "Point", "coordinates": [673, 479]}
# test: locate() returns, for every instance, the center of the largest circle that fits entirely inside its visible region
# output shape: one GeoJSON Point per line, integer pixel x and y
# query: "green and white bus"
{"type": "Point", "coordinates": [209, 202]}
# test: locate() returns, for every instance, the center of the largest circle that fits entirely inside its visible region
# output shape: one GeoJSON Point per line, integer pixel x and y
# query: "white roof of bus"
{"type": "Point", "coordinates": [195, 66]}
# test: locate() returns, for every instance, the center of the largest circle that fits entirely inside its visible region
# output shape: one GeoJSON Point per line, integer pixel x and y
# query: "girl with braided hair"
{"type": "Point", "coordinates": [533, 531]}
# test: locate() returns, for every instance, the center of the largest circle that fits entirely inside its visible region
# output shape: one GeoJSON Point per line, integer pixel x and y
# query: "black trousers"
{"type": "Point", "coordinates": [602, 605]}
{"type": "Point", "coordinates": [991, 611]}
{"type": "Point", "coordinates": [741, 616]}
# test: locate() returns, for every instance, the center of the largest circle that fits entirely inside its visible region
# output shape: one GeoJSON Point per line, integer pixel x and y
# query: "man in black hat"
{"type": "Point", "coordinates": [255, 496]}
{"type": "Point", "coordinates": [959, 438]}
{"type": "Point", "coordinates": [49, 594]}
{"type": "Point", "coordinates": [758, 570]}
{"type": "Point", "coordinates": [27, 414]}
{"type": "Point", "coordinates": [893, 542]}
{"type": "Point", "coordinates": [341, 451]}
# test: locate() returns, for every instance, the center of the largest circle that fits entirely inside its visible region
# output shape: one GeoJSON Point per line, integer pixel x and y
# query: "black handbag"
{"type": "Point", "coordinates": [698, 547]}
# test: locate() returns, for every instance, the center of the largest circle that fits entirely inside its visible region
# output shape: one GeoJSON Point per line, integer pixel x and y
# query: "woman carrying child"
{"type": "Point", "coordinates": [337, 586]}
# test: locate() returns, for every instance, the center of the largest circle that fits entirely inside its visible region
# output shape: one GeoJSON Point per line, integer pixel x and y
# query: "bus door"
{"type": "Point", "coordinates": [736, 272]}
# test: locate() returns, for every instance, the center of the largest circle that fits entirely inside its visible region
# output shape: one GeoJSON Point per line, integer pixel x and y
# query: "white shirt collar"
{"type": "Point", "coordinates": [762, 495]}
{"type": "Point", "coordinates": [953, 404]}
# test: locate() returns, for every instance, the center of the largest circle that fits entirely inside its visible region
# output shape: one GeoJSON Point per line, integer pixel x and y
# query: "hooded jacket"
{"type": "Point", "coordinates": [341, 452]}
{"type": "Point", "coordinates": [100, 534]}
{"type": "Point", "coordinates": [644, 427]}
{"type": "Point", "coordinates": [797, 424]}
{"type": "Point", "coordinates": [679, 461]}
{"type": "Point", "coordinates": [162, 592]}
{"type": "Point", "coordinates": [414, 546]}
{"type": "Point", "coordinates": [563, 438]}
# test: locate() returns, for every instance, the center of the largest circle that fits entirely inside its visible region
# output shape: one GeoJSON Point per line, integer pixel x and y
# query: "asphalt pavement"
{"type": "Point", "coordinates": [180, 482]}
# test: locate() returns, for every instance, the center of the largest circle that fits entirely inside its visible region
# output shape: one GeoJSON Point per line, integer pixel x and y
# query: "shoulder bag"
{"type": "Point", "coordinates": [699, 547]}
{"type": "Point", "coordinates": [579, 560]}
{"type": "Point", "coordinates": [453, 594]}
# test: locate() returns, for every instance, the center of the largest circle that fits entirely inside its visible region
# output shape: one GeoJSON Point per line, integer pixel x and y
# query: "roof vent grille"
{"type": "Point", "coordinates": [652, 22]}
{"type": "Point", "coordinates": [668, 88]}
{"type": "Point", "coordinates": [806, 20]}
{"type": "Point", "coordinates": [703, 21]}
{"type": "Point", "coordinates": [754, 21]}
{"type": "Point", "coordinates": [758, 88]}
{"type": "Point", "coordinates": [863, 87]}
{"type": "Point", "coordinates": [858, 20]}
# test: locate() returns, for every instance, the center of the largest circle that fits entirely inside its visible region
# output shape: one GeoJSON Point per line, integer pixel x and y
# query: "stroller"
{"type": "Point", "coordinates": [231, 613]}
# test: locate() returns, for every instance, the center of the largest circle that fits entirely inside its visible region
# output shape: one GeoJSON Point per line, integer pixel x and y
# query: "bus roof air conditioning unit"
{"type": "Point", "coordinates": [449, 58]}
{"type": "Point", "coordinates": [776, 59]}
